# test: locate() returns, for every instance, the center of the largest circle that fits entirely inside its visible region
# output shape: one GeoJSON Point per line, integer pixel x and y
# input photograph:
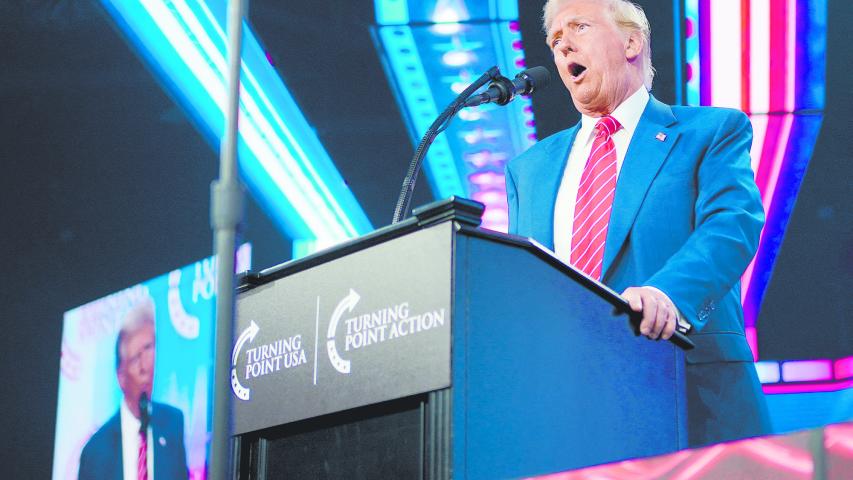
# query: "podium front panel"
{"type": "Point", "coordinates": [369, 327]}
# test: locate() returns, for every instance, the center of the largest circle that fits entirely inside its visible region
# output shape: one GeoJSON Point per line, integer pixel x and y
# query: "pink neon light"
{"type": "Point", "coordinates": [700, 464]}
{"type": "Point", "coordinates": [726, 42]}
{"type": "Point", "coordinates": [765, 451]}
{"type": "Point", "coordinates": [809, 387]}
{"type": "Point", "coordinates": [759, 57]}
{"type": "Point", "coordinates": [752, 339]}
{"type": "Point", "coordinates": [759, 132]}
{"type": "Point", "coordinates": [778, 457]}
{"type": "Point", "coordinates": [766, 152]}
{"type": "Point", "coordinates": [641, 469]}
{"type": "Point", "coordinates": [794, 460]}
{"type": "Point", "coordinates": [650, 469]}
{"type": "Point", "coordinates": [838, 439]}
{"type": "Point", "coordinates": [745, 60]}
{"type": "Point", "coordinates": [807, 370]}
{"type": "Point", "coordinates": [791, 64]}
{"type": "Point", "coordinates": [778, 159]}
{"type": "Point", "coordinates": [778, 57]}
{"type": "Point", "coordinates": [494, 215]}
{"type": "Point", "coordinates": [487, 179]}
{"type": "Point", "coordinates": [489, 197]}
{"type": "Point", "coordinates": [844, 368]}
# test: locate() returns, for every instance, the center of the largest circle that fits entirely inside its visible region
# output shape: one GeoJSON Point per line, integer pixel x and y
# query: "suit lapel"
{"type": "Point", "coordinates": [650, 145]}
{"type": "Point", "coordinates": [158, 439]}
{"type": "Point", "coordinates": [549, 177]}
{"type": "Point", "coordinates": [117, 470]}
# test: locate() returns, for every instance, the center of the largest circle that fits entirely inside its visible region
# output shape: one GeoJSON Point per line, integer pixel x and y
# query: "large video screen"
{"type": "Point", "coordinates": [140, 356]}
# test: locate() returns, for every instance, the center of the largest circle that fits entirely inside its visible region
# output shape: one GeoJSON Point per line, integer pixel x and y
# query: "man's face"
{"type": "Point", "coordinates": [136, 372]}
{"type": "Point", "coordinates": [593, 56]}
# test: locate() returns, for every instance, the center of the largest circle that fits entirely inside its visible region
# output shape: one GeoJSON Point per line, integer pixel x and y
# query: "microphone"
{"type": "Point", "coordinates": [503, 91]}
{"type": "Point", "coordinates": [144, 416]}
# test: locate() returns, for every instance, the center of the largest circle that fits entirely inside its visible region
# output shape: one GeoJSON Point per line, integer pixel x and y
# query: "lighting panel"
{"type": "Point", "coordinates": [432, 50]}
{"type": "Point", "coordinates": [767, 58]}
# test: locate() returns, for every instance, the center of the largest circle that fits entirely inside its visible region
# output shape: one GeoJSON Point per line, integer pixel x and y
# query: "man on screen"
{"type": "Point", "coordinates": [658, 202]}
{"type": "Point", "coordinates": [143, 440]}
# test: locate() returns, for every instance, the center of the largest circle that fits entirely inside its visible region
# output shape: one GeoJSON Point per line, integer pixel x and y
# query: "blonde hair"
{"type": "Point", "coordinates": [629, 16]}
{"type": "Point", "coordinates": [139, 316]}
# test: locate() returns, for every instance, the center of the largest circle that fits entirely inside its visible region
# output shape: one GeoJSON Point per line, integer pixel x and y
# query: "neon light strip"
{"type": "Point", "coordinates": [705, 60]}
{"type": "Point", "coordinates": [768, 372]}
{"type": "Point", "coordinates": [791, 61]}
{"type": "Point", "coordinates": [745, 61]}
{"type": "Point", "coordinates": [768, 40]}
{"type": "Point", "coordinates": [392, 12]}
{"type": "Point", "coordinates": [298, 163]}
{"type": "Point", "coordinates": [413, 87]}
{"type": "Point", "coordinates": [806, 388]}
{"type": "Point", "coordinates": [212, 80]}
{"type": "Point", "coordinates": [759, 58]}
{"type": "Point", "coordinates": [691, 51]}
{"type": "Point", "coordinates": [751, 338]}
{"type": "Point", "coordinates": [807, 370]}
{"type": "Point", "coordinates": [301, 189]}
{"type": "Point", "coordinates": [844, 368]}
{"type": "Point", "coordinates": [776, 165]}
{"type": "Point", "coordinates": [305, 159]}
{"type": "Point", "coordinates": [759, 132]}
{"type": "Point", "coordinates": [725, 53]}
{"type": "Point", "coordinates": [285, 176]}
{"type": "Point", "coordinates": [447, 45]}
{"type": "Point", "coordinates": [507, 10]}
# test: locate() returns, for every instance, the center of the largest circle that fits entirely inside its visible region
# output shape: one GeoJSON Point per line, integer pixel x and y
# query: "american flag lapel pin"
{"type": "Point", "coordinates": [661, 136]}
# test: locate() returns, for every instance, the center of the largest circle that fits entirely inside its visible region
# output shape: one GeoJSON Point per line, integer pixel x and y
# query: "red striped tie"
{"type": "Point", "coordinates": [142, 460]}
{"type": "Point", "coordinates": [595, 199]}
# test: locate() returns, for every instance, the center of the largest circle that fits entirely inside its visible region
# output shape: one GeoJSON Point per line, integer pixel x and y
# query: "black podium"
{"type": "Point", "coordinates": [434, 349]}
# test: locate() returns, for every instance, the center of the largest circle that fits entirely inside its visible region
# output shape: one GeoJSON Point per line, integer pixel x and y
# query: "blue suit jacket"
{"type": "Point", "coordinates": [102, 456]}
{"type": "Point", "coordinates": [686, 216]}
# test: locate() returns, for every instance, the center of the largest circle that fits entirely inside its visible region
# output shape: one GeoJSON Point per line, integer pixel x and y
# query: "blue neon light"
{"type": "Point", "coordinates": [281, 159]}
{"type": "Point", "coordinates": [414, 90]}
{"type": "Point", "coordinates": [446, 45]}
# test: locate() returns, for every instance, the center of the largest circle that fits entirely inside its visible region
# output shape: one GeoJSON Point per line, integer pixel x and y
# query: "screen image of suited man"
{"type": "Point", "coordinates": [671, 219]}
{"type": "Point", "coordinates": [113, 451]}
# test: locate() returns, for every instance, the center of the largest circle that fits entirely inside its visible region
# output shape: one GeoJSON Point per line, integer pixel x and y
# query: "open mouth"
{"type": "Point", "coordinates": [576, 69]}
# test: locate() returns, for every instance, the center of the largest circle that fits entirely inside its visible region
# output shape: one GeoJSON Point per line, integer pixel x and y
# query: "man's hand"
{"type": "Point", "coordinates": [659, 313]}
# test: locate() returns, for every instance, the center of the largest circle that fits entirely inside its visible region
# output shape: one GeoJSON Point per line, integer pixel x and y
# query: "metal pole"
{"type": "Point", "coordinates": [226, 212]}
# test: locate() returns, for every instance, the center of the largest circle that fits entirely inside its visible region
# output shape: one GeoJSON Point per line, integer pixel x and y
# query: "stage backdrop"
{"type": "Point", "coordinates": [89, 393]}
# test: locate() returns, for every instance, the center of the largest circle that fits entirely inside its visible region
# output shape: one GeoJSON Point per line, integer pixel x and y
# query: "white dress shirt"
{"type": "Point", "coordinates": [628, 114]}
{"type": "Point", "coordinates": [130, 444]}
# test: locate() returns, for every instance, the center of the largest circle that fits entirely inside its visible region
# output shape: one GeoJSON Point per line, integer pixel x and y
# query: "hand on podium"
{"type": "Point", "coordinates": [659, 313]}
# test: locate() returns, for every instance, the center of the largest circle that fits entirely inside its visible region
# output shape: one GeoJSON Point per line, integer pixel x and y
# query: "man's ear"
{"type": "Point", "coordinates": [120, 377]}
{"type": "Point", "coordinates": [634, 45]}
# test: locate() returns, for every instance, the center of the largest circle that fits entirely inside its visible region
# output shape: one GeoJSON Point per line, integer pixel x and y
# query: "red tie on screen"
{"type": "Point", "coordinates": [142, 461]}
{"type": "Point", "coordinates": [595, 199]}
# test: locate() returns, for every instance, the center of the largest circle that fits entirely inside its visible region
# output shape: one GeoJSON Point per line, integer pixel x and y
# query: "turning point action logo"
{"type": "Point", "coordinates": [381, 325]}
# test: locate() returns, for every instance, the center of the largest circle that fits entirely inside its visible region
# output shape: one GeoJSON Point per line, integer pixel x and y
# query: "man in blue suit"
{"type": "Point", "coordinates": [657, 202]}
{"type": "Point", "coordinates": [142, 440]}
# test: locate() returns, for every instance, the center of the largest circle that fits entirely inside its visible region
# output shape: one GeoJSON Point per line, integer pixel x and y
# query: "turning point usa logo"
{"type": "Point", "coordinates": [281, 354]}
{"type": "Point", "coordinates": [381, 325]}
